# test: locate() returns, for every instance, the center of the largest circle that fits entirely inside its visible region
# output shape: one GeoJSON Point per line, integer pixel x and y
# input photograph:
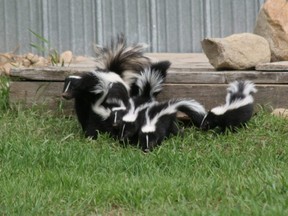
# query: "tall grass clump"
{"type": "Point", "coordinates": [4, 93]}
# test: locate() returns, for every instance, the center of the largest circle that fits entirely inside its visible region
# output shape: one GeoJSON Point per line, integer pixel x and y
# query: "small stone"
{"type": "Point", "coordinates": [41, 62]}
{"type": "Point", "coordinates": [66, 57]}
{"type": "Point", "coordinates": [26, 62]}
{"type": "Point", "coordinates": [78, 59]}
{"type": "Point", "coordinates": [238, 51]}
{"type": "Point", "coordinates": [280, 112]}
{"type": "Point", "coordinates": [32, 58]}
{"type": "Point", "coordinates": [5, 57]}
{"type": "Point", "coordinates": [7, 68]}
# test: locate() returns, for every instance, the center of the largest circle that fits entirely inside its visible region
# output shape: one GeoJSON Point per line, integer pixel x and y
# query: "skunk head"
{"type": "Point", "coordinates": [129, 132]}
{"type": "Point", "coordinates": [149, 141]}
{"type": "Point", "coordinates": [210, 121]}
{"type": "Point", "coordinates": [149, 82]}
{"type": "Point", "coordinates": [71, 84]}
{"type": "Point", "coordinates": [117, 115]}
{"type": "Point", "coordinates": [75, 85]}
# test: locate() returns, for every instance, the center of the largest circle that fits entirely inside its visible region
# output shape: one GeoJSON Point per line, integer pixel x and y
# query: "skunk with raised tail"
{"type": "Point", "coordinates": [97, 92]}
{"type": "Point", "coordinates": [237, 111]}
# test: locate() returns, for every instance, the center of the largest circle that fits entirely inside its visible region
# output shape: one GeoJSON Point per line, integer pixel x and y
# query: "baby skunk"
{"type": "Point", "coordinates": [146, 88]}
{"type": "Point", "coordinates": [93, 101]}
{"type": "Point", "coordinates": [160, 120]}
{"type": "Point", "coordinates": [236, 112]}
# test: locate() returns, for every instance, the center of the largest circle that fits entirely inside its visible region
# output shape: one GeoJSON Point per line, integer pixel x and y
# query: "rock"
{"type": "Point", "coordinates": [281, 112]}
{"type": "Point", "coordinates": [6, 68]}
{"type": "Point", "coordinates": [272, 24]}
{"type": "Point", "coordinates": [66, 57]}
{"type": "Point", "coordinates": [78, 59]}
{"type": "Point", "coordinates": [238, 51]}
{"type": "Point", "coordinates": [5, 57]}
{"type": "Point", "coordinates": [26, 62]}
{"type": "Point", "coordinates": [42, 62]}
{"type": "Point", "coordinates": [32, 58]}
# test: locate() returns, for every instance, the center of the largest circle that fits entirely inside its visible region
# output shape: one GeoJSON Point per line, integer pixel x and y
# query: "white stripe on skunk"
{"type": "Point", "coordinates": [160, 120]}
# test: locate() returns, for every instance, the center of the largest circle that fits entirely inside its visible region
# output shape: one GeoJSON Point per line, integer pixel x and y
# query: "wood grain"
{"type": "Point", "coordinates": [49, 93]}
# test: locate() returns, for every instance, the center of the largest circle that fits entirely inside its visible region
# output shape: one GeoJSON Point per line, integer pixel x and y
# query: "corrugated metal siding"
{"type": "Point", "coordinates": [167, 25]}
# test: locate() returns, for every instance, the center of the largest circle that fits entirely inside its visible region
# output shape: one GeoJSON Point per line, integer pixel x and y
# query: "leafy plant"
{"type": "Point", "coordinates": [45, 47]}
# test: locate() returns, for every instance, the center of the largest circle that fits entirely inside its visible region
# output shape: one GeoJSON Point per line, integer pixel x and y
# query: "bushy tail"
{"type": "Point", "coordinates": [149, 83]}
{"type": "Point", "coordinates": [239, 90]}
{"type": "Point", "coordinates": [190, 107]}
{"type": "Point", "coordinates": [127, 61]}
{"type": "Point", "coordinates": [193, 109]}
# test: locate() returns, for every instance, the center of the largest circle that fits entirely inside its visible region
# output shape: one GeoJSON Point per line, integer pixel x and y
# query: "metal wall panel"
{"type": "Point", "coordinates": [166, 25]}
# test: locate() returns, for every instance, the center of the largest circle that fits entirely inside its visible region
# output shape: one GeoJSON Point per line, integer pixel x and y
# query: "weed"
{"type": "Point", "coordinates": [45, 47]}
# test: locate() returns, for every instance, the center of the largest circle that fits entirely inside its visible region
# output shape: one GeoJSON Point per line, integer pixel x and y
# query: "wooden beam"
{"type": "Point", "coordinates": [49, 93]}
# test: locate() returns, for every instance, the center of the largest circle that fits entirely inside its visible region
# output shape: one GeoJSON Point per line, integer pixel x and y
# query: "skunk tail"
{"type": "Point", "coordinates": [126, 61]}
{"type": "Point", "coordinates": [193, 109]}
{"type": "Point", "coordinates": [149, 82]}
{"type": "Point", "coordinates": [239, 90]}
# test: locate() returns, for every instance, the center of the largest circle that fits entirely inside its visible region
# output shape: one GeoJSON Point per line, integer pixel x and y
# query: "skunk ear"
{"type": "Point", "coordinates": [162, 67]}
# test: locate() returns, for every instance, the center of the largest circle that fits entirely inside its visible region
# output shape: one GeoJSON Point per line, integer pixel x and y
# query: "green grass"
{"type": "Point", "coordinates": [47, 167]}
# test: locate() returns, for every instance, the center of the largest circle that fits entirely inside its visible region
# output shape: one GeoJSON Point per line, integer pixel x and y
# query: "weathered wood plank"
{"type": "Point", "coordinates": [185, 69]}
{"type": "Point", "coordinates": [39, 93]}
{"type": "Point", "coordinates": [49, 93]}
{"type": "Point", "coordinates": [214, 95]}
{"type": "Point", "coordinates": [184, 76]}
{"type": "Point", "coordinates": [274, 66]}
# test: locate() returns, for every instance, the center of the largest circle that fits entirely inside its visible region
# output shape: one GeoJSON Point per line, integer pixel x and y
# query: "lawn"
{"type": "Point", "coordinates": [47, 167]}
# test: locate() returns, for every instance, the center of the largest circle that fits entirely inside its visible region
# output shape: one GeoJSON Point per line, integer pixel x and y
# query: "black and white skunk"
{"type": "Point", "coordinates": [160, 121]}
{"type": "Point", "coordinates": [236, 112]}
{"type": "Point", "coordinates": [146, 88]}
{"type": "Point", "coordinates": [97, 93]}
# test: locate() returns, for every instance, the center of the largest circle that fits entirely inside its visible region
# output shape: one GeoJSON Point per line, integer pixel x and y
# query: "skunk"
{"type": "Point", "coordinates": [160, 120]}
{"type": "Point", "coordinates": [95, 95]}
{"type": "Point", "coordinates": [97, 92]}
{"type": "Point", "coordinates": [146, 88]}
{"type": "Point", "coordinates": [236, 112]}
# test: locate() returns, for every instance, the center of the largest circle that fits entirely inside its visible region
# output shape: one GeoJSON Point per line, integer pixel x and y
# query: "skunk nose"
{"type": "Point", "coordinates": [66, 96]}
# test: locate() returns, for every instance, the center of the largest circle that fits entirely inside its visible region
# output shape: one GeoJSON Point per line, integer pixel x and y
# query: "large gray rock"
{"type": "Point", "coordinates": [238, 51]}
{"type": "Point", "coordinates": [272, 24]}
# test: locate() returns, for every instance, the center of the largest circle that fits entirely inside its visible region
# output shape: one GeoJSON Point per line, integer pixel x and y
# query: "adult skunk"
{"type": "Point", "coordinates": [95, 95]}
{"type": "Point", "coordinates": [146, 88]}
{"type": "Point", "coordinates": [238, 108]}
{"type": "Point", "coordinates": [160, 120]}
